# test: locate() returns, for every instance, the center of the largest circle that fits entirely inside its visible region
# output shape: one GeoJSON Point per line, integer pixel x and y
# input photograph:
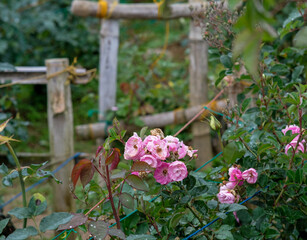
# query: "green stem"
{"type": "Point", "coordinates": [22, 184]}
{"type": "Point", "coordinates": [194, 213]}
{"type": "Point", "coordinates": [248, 148]}
{"type": "Point", "coordinates": [37, 228]}
{"type": "Point", "coordinates": [220, 139]}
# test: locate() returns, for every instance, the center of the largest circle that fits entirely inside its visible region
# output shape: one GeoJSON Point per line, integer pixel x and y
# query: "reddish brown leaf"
{"type": "Point", "coordinates": [140, 166]}
{"type": "Point", "coordinates": [113, 158]}
{"type": "Point", "coordinates": [87, 174]}
{"type": "Point", "coordinates": [78, 168]}
{"type": "Point", "coordinates": [77, 220]}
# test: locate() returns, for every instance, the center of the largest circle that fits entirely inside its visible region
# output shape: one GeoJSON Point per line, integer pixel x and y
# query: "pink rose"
{"type": "Point", "coordinates": [236, 217]}
{"type": "Point", "coordinates": [231, 185]}
{"type": "Point", "coordinates": [226, 197]}
{"type": "Point", "coordinates": [192, 153]}
{"type": "Point", "coordinates": [149, 139]}
{"type": "Point", "coordinates": [293, 144]}
{"type": "Point", "coordinates": [133, 148]}
{"type": "Point", "coordinates": [293, 128]}
{"type": "Point", "coordinates": [223, 188]}
{"type": "Point", "coordinates": [250, 175]}
{"type": "Point", "coordinates": [172, 143]}
{"type": "Point", "coordinates": [182, 150]}
{"type": "Point", "coordinates": [177, 171]}
{"type": "Point", "coordinates": [151, 160]}
{"type": "Point", "coordinates": [158, 149]}
{"type": "Point", "coordinates": [161, 174]}
{"type": "Point", "coordinates": [135, 173]}
{"type": "Point", "coordinates": [235, 175]}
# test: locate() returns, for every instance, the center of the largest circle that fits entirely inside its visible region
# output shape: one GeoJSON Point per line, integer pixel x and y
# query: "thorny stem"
{"type": "Point", "coordinates": [102, 200]}
{"type": "Point", "coordinates": [111, 198]}
{"type": "Point", "coordinates": [22, 184]}
{"type": "Point", "coordinates": [153, 223]}
{"type": "Point", "coordinates": [199, 113]}
{"type": "Point", "coordinates": [248, 148]}
{"type": "Point", "coordinates": [194, 213]}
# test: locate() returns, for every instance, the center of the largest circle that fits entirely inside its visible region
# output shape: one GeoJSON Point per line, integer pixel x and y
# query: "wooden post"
{"type": "Point", "coordinates": [60, 124]}
{"type": "Point", "coordinates": [109, 41]}
{"type": "Point", "coordinates": [199, 91]}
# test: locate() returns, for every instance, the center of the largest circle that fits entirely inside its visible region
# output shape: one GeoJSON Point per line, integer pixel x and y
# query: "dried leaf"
{"type": "Point", "coordinates": [78, 169]}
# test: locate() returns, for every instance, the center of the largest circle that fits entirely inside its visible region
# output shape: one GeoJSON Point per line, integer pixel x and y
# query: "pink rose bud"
{"type": "Point", "coordinates": [182, 150]}
{"type": "Point", "coordinates": [226, 197]}
{"type": "Point", "coordinates": [161, 174]}
{"type": "Point", "coordinates": [177, 171]}
{"type": "Point", "coordinates": [250, 175]}
{"type": "Point", "coordinates": [151, 160]}
{"type": "Point", "coordinates": [133, 148]}
{"type": "Point", "coordinates": [235, 175]}
{"type": "Point", "coordinates": [293, 144]}
{"type": "Point", "coordinates": [293, 128]}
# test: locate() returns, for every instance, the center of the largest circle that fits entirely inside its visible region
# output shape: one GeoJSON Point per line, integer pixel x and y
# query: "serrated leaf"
{"type": "Point", "coordinates": [20, 213]}
{"type": "Point", "coordinates": [197, 191]}
{"type": "Point", "coordinates": [299, 40]}
{"type": "Point", "coordinates": [3, 224]}
{"type": "Point", "coordinates": [140, 166]}
{"type": "Point", "coordinates": [117, 233]}
{"type": "Point", "coordinates": [137, 183]}
{"type": "Point", "coordinates": [77, 170]}
{"type": "Point", "coordinates": [98, 229]}
{"type": "Point", "coordinates": [3, 169]}
{"type": "Point", "coordinates": [212, 204]}
{"type": "Point", "coordinates": [21, 234]}
{"type": "Point", "coordinates": [221, 215]}
{"type": "Point", "coordinates": [200, 206]}
{"type": "Point", "coordinates": [118, 174]}
{"type": "Point", "coordinates": [54, 220]}
{"type": "Point", "coordinates": [114, 158]}
{"type": "Point", "coordinates": [264, 147]}
{"type": "Point", "coordinates": [143, 131]}
{"type": "Point", "coordinates": [175, 219]}
{"type": "Point", "coordinates": [141, 237]}
{"type": "Point", "coordinates": [37, 204]}
{"type": "Point", "coordinates": [236, 207]}
{"type": "Point", "coordinates": [245, 104]}
{"type": "Point", "coordinates": [127, 200]}
{"type": "Point", "coordinates": [77, 220]}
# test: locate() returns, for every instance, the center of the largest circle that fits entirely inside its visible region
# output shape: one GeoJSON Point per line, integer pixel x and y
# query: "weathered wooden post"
{"type": "Point", "coordinates": [109, 34]}
{"type": "Point", "coordinates": [199, 90]}
{"type": "Point", "coordinates": [60, 124]}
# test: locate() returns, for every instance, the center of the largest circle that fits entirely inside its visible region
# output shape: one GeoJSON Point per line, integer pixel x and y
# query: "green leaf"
{"type": "Point", "coordinates": [264, 147]}
{"type": "Point", "coordinates": [54, 220]}
{"type": "Point", "coordinates": [231, 152]}
{"type": "Point", "coordinates": [37, 204]}
{"type": "Point", "coordinates": [175, 219]}
{"type": "Point", "coordinates": [271, 233]}
{"type": "Point", "coordinates": [245, 104]}
{"type": "Point", "coordinates": [141, 237]}
{"type": "Point", "coordinates": [200, 206]}
{"type": "Point", "coordinates": [21, 234]}
{"type": "Point", "coordinates": [127, 200]}
{"type": "Point", "coordinates": [280, 69]}
{"type": "Point", "coordinates": [190, 182]}
{"type": "Point", "coordinates": [197, 191]}
{"type": "Point", "coordinates": [117, 233]}
{"type": "Point", "coordinates": [137, 183]}
{"type": "Point", "coordinates": [226, 61]}
{"type": "Point", "coordinates": [98, 229]}
{"type": "Point", "coordinates": [212, 204]}
{"type": "Point", "coordinates": [236, 207]}
{"type": "Point", "coordinates": [221, 215]}
{"type": "Point", "coordinates": [3, 169]}
{"type": "Point", "coordinates": [143, 132]}
{"type": "Point", "coordinates": [3, 224]}
{"type": "Point", "coordinates": [21, 213]}
{"type": "Point", "coordinates": [140, 166]}
{"type": "Point", "coordinates": [299, 40]}
{"type": "Point", "coordinates": [224, 232]}
{"type": "Point", "coordinates": [299, 175]}
{"type": "Point", "coordinates": [298, 70]}
{"type": "Point", "coordinates": [234, 3]}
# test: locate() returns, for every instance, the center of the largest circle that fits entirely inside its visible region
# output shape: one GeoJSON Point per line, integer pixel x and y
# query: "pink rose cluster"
{"type": "Point", "coordinates": [227, 192]}
{"type": "Point", "coordinates": [300, 144]}
{"type": "Point", "coordinates": [162, 154]}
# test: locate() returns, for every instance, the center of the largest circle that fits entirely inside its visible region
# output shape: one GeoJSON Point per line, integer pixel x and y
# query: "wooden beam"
{"type": "Point", "coordinates": [109, 42]}
{"type": "Point", "coordinates": [132, 10]}
{"type": "Point", "coordinates": [60, 124]}
{"type": "Point", "coordinates": [35, 75]}
{"type": "Point", "coordinates": [198, 88]}
{"type": "Point", "coordinates": [98, 130]}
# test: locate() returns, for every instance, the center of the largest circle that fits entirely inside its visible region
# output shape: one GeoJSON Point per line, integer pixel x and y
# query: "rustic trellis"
{"type": "Point", "coordinates": [111, 11]}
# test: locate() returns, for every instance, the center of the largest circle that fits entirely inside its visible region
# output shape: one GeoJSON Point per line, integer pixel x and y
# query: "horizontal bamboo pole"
{"type": "Point", "coordinates": [98, 130]}
{"type": "Point", "coordinates": [132, 10]}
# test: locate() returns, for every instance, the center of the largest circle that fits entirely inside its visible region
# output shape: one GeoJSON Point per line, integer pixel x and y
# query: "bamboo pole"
{"type": "Point", "coordinates": [98, 130]}
{"type": "Point", "coordinates": [132, 10]}
{"type": "Point", "coordinates": [60, 124]}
